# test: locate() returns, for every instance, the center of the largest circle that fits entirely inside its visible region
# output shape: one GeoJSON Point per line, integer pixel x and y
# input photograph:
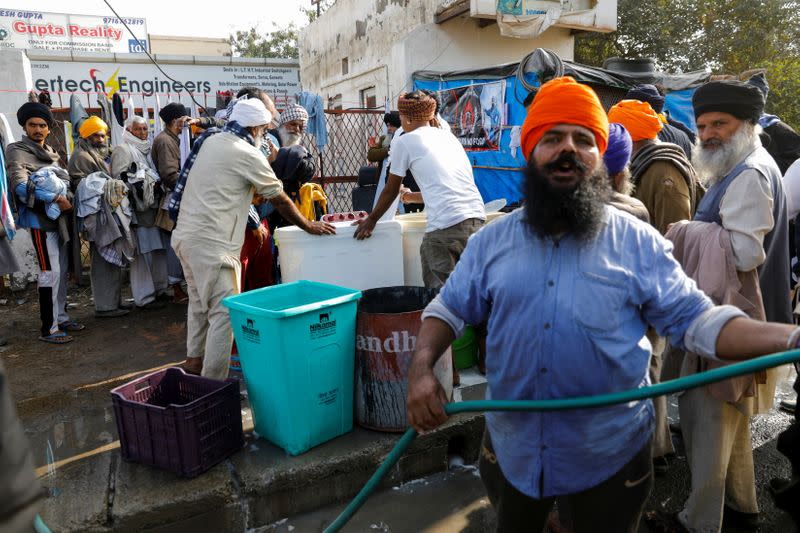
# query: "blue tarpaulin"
{"type": "Point", "coordinates": [498, 174]}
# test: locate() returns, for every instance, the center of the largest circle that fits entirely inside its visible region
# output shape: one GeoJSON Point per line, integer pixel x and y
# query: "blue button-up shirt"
{"type": "Point", "coordinates": [567, 318]}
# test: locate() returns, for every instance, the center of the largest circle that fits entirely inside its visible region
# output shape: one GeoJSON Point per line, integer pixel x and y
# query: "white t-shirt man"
{"type": "Point", "coordinates": [443, 172]}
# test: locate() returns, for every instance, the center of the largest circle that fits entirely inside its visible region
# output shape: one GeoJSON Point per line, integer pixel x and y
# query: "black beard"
{"type": "Point", "coordinates": [576, 211]}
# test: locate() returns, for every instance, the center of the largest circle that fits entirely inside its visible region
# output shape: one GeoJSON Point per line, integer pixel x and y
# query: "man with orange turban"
{"type": "Point", "coordinates": [91, 150]}
{"type": "Point", "coordinates": [90, 156]}
{"type": "Point", "coordinates": [568, 285]}
{"type": "Point", "coordinates": [664, 180]}
{"type": "Point", "coordinates": [663, 177]}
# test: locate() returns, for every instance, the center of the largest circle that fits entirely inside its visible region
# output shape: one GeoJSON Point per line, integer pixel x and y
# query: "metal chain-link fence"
{"type": "Point", "coordinates": [338, 162]}
{"type": "Point", "coordinates": [346, 152]}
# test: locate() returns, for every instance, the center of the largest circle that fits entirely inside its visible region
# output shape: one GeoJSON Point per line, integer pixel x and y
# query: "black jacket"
{"type": "Point", "coordinates": [782, 143]}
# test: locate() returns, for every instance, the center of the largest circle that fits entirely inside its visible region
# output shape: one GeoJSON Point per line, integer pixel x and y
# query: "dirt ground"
{"type": "Point", "coordinates": [62, 391]}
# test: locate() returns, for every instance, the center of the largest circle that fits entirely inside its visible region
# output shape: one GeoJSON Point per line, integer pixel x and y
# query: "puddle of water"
{"type": "Point", "coordinates": [75, 424]}
{"type": "Point", "coordinates": [69, 425]}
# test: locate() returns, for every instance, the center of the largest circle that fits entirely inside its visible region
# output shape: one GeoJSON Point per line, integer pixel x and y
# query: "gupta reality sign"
{"type": "Point", "coordinates": [39, 30]}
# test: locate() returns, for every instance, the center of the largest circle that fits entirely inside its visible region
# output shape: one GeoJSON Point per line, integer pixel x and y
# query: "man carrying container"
{"type": "Point", "coordinates": [444, 174]}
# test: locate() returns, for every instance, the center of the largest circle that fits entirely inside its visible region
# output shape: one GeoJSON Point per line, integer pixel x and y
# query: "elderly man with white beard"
{"type": "Point", "coordinates": [131, 162]}
{"type": "Point", "coordinates": [291, 125]}
{"type": "Point", "coordinates": [745, 193]}
{"type": "Point", "coordinates": [744, 197]}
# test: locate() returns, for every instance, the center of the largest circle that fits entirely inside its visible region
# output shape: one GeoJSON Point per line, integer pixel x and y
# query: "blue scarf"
{"type": "Point", "coordinates": [768, 120]}
{"type": "Point", "coordinates": [174, 205]}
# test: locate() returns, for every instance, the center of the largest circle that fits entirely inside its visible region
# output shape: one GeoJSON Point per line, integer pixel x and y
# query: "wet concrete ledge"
{"type": "Point", "coordinates": [256, 487]}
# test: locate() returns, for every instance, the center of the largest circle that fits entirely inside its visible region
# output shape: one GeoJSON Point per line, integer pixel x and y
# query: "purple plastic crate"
{"type": "Point", "coordinates": [177, 421]}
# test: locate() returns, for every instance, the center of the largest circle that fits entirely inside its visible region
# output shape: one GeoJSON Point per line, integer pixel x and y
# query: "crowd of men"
{"type": "Point", "coordinates": [119, 200]}
{"type": "Point", "coordinates": [644, 251]}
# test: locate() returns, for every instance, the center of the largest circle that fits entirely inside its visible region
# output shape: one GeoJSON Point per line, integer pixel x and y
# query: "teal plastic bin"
{"type": "Point", "coordinates": [296, 346]}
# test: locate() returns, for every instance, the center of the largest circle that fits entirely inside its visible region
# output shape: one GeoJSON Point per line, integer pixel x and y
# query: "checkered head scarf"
{"type": "Point", "coordinates": [417, 109]}
{"type": "Point", "coordinates": [293, 112]}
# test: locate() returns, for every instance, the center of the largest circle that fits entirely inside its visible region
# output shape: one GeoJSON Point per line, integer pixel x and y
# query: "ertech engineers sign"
{"type": "Point", "coordinates": [281, 82]}
{"type": "Point", "coordinates": [79, 33]}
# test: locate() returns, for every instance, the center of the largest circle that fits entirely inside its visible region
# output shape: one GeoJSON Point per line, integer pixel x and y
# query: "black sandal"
{"type": "Point", "coordinates": [663, 522]}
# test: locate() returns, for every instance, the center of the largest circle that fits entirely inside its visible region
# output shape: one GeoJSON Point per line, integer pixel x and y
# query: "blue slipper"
{"type": "Point", "coordinates": [59, 337]}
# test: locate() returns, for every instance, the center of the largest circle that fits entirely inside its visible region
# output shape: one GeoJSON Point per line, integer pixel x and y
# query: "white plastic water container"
{"type": "Point", "coordinates": [342, 260]}
{"type": "Point", "coordinates": [413, 231]}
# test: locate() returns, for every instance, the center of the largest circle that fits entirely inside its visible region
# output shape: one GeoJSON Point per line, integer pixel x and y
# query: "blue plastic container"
{"type": "Point", "coordinates": [297, 350]}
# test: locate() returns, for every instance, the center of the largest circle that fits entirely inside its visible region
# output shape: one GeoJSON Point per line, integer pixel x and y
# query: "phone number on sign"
{"type": "Point", "coordinates": [130, 22]}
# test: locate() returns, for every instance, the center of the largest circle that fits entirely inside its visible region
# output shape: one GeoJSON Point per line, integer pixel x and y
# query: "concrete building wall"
{"type": "Point", "coordinates": [385, 41]}
{"type": "Point", "coordinates": [189, 46]}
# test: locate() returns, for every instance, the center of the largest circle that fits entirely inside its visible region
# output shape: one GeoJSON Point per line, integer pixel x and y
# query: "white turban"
{"type": "Point", "coordinates": [250, 113]}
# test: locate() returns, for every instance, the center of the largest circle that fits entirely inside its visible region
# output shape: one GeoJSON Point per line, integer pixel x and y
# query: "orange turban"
{"type": "Point", "coordinates": [638, 118]}
{"type": "Point", "coordinates": [92, 125]}
{"type": "Point", "coordinates": [564, 101]}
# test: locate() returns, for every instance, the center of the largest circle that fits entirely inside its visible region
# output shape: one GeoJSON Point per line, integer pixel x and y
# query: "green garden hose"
{"type": "Point", "coordinates": [685, 383]}
{"type": "Point", "coordinates": [39, 526]}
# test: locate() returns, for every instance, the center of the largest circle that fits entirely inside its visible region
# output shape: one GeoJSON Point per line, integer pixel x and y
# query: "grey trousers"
{"type": "Point", "coordinates": [720, 454]}
{"type": "Point", "coordinates": [174, 267]}
{"type": "Point", "coordinates": [149, 276]}
{"type": "Point", "coordinates": [106, 282]}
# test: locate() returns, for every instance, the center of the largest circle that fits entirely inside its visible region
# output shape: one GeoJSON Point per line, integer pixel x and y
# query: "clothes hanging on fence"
{"type": "Point", "coordinates": [186, 145]}
{"type": "Point", "coordinates": [157, 126]}
{"type": "Point", "coordinates": [116, 105]}
{"type": "Point", "coordinates": [109, 117]}
{"type": "Point", "coordinates": [44, 98]}
{"type": "Point", "coordinates": [7, 226]}
{"type": "Point", "coordinates": [146, 117]}
{"type": "Point", "coordinates": [106, 112]}
{"type": "Point", "coordinates": [312, 201]}
{"type": "Point", "coordinates": [77, 114]}
{"type": "Point", "coordinates": [131, 110]}
{"type": "Point", "coordinates": [117, 120]}
{"type": "Point", "coordinates": [316, 116]}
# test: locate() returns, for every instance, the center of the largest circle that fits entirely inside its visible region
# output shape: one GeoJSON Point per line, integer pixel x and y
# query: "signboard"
{"type": "Point", "coordinates": [144, 79]}
{"type": "Point", "coordinates": [527, 18]}
{"type": "Point", "coordinates": [77, 33]}
{"type": "Point", "coordinates": [527, 8]}
{"type": "Point", "coordinates": [475, 114]}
